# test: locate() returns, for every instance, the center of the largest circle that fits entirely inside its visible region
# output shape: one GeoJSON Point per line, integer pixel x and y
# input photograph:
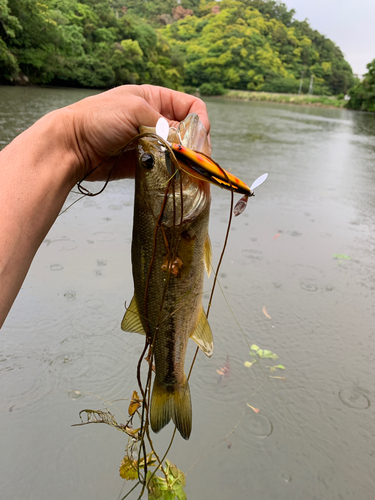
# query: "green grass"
{"type": "Point", "coordinates": [309, 100]}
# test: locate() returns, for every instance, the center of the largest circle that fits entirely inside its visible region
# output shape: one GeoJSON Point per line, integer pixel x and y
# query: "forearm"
{"type": "Point", "coordinates": [37, 171]}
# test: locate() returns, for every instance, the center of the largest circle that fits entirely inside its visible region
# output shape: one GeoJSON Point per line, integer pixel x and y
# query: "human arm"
{"type": "Point", "coordinates": [40, 167]}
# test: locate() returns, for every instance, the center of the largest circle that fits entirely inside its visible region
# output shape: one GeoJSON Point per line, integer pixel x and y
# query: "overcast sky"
{"type": "Point", "coordinates": [348, 23]}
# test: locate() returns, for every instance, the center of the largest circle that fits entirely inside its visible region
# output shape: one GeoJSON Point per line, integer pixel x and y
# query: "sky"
{"type": "Point", "coordinates": [348, 23]}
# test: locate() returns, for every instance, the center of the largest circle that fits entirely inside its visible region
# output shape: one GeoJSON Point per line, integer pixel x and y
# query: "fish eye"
{"type": "Point", "coordinates": [147, 160]}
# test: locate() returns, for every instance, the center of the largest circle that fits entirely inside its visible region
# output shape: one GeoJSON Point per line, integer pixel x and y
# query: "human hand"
{"type": "Point", "coordinates": [100, 125]}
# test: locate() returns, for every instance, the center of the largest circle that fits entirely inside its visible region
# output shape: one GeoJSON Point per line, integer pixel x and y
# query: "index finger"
{"type": "Point", "coordinates": [175, 105]}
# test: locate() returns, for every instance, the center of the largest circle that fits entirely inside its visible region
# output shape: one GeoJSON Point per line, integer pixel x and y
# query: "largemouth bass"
{"type": "Point", "coordinates": [170, 251]}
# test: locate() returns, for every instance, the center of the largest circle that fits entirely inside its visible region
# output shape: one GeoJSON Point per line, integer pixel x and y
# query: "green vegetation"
{"type": "Point", "coordinates": [309, 100]}
{"type": "Point", "coordinates": [362, 95]}
{"type": "Point", "coordinates": [253, 45]}
{"type": "Point", "coordinates": [212, 89]}
{"type": "Point", "coordinates": [81, 43]}
{"type": "Point", "coordinates": [233, 43]}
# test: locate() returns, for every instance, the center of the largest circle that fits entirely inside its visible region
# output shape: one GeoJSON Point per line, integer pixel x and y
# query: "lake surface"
{"type": "Point", "coordinates": [298, 278]}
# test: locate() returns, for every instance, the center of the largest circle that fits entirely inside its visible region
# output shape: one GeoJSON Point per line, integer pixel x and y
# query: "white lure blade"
{"type": "Point", "coordinates": [258, 182]}
{"type": "Point", "coordinates": [162, 128]}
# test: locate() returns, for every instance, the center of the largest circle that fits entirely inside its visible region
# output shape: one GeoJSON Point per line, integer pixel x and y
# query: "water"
{"type": "Point", "coordinates": [303, 250]}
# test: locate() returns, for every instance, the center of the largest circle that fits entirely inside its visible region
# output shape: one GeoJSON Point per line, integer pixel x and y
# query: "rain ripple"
{"type": "Point", "coordinates": [354, 399]}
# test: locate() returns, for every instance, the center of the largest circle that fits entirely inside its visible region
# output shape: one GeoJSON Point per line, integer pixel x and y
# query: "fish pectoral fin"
{"type": "Point", "coordinates": [202, 335]}
{"type": "Point", "coordinates": [207, 255]}
{"type": "Point", "coordinates": [132, 320]}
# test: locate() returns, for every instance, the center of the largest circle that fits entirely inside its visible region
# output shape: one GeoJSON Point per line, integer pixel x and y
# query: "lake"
{"type": "Point", "coordinates": [297, 279]}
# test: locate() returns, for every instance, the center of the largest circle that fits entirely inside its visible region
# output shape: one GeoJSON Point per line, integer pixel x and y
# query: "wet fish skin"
{"type": "Point", "coordinates": [167, 303]}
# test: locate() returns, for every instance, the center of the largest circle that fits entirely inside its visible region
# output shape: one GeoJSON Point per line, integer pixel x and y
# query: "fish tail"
{"type": "Point", "coordinates": [175, 405]}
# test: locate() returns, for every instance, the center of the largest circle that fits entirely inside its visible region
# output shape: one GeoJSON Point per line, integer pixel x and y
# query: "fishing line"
{"type": "Point", "coordinates": [220, 261]}
{"type": "Point", "coordinates": [211, 296]}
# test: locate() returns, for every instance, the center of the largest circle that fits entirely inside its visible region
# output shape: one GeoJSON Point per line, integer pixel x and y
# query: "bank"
{"type": "Point", "coordinates": [303, 99]}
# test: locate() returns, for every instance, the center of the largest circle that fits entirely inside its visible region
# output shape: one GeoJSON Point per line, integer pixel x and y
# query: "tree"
{"type": "Point", "coordinates": [362, 95]}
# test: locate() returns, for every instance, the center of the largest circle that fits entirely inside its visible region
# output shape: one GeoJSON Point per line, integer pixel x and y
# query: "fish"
{"type": "Point", "coordinates": [171, 250]}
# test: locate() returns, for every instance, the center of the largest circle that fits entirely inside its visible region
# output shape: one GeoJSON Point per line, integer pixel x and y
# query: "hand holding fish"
{"type": "Point", "coordinates": [40, 166]}
{"type": "Point", "coordinates": [103, 124]}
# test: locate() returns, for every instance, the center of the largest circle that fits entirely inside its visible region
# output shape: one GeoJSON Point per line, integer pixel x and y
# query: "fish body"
{"type": "Point", "coordinates": [170, 251]}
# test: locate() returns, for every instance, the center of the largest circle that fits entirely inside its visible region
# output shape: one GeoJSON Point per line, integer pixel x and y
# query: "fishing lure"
{"type": "Point", "coordinates": [204, 168]}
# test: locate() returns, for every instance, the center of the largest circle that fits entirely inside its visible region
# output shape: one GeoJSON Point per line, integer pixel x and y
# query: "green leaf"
{"type": "Point", "coordinates": [172, 468]}
{"type": "Point", "coordinates": [266, 354]}
{"type": "Point", "coordinates": [280, 366]}
{"type": "Point", "coordinates": [128, 469]}
{"type": "Point", "coordinates": [248, 364]}
{"type": "Point", "coordinates": [254, 347]}
{"type": "Point", "coordinates": [341, 256]}
{"type": "Point", "coordinates": [154, 487]}
{"type": "Point", "coordinates": [180, 493]}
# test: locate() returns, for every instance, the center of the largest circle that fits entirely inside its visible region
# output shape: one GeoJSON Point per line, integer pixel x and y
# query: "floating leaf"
{"type": "Point", "coordinates": [266, 313]}
{"type": "Point", "coordinates": [274, 368]}
{"type": "Point", "coordinates": [268, 354]}
{"type": "Point", "coordinates": [341, 256]}
{"type": "Point", "coordinates": [248, 364]}
{"type": "Point", "coordinates": [254, 347]}
{"type": "Point", "coordinates": [128, 469]}
{"type": "Point", "coordinates": [225, 370]}
{"type": "Point", "coordinates": [255, 410]}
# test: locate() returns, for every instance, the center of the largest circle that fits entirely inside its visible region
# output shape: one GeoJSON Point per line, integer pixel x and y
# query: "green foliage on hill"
{"type": "Point", "coordinates": [362, 95]}
{"type": "Point", "coordinates": [239, 44]}
{"type": "Point", "coordinates": [84, 43]}
{"type": "Point", "coordinates": [234, 43]}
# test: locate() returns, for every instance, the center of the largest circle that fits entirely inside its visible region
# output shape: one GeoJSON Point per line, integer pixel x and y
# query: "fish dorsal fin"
{"type": "Point", "coordinates": [202, 335]}
{"type": "Point", "coordinates": [132, 320]}
{"type": "Point", "coordinates": [207, 255]}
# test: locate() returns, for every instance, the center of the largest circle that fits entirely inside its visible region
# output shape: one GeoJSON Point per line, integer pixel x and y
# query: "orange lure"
{"type": "Point", "coordinates": [202, 167]}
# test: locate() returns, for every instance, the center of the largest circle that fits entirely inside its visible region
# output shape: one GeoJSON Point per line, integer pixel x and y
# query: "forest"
{"type": "Point", "coordinates": [181, 44]}
{"type": "Point", "coordinates": [362, 95]}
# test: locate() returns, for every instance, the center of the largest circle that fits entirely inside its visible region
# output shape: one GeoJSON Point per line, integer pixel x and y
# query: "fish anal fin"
{"type": "Point", "coordinates": [132, 320]}
{"type": "Point", "coordinates": [207, 255]}
{"type": "Point", "coordinates": [175, 405]}
{"type": "Point", "coordinates": [202, 335]}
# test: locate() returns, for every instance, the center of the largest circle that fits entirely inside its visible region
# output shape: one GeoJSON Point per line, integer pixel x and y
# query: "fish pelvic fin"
{"type": "Point", "coordinates": [202, 335]}
{"type": "Point", "coordinates": [132, 319]}
{"type": "Point", "coordinates": [175, 405]}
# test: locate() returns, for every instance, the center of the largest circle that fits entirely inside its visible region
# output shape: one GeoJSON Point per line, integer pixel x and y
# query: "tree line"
{"type": "Point", "coordinates": [362, 95]}
{"type": "Point", "coordinates": [238, 44]}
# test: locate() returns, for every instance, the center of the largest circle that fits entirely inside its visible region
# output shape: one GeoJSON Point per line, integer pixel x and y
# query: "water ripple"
{"type": "Point", "coordinates": [354, 399]}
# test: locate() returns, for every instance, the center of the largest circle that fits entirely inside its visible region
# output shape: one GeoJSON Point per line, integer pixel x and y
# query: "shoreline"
{"type": "Point", "coordinates": [305, 100]}
{"type": "Point", "coordinates": [239, 95]}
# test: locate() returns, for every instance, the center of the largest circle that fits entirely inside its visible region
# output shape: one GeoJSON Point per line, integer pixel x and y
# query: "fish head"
{"type": "Point", "coordinates": [157, 173]}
